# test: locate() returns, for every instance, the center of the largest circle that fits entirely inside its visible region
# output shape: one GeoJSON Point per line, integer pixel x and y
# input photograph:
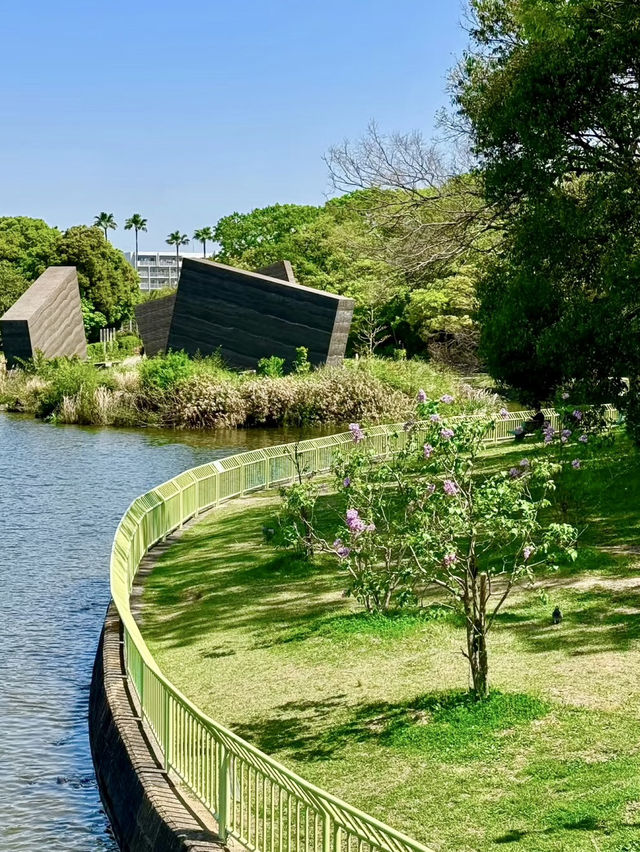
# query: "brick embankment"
{"type": "Point", "coordinates": [147, 810]}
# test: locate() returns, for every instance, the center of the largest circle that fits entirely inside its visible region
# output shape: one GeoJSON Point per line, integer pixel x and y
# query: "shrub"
{"type": "Point", "coordinates": [165, 371]}
{"type": "Point", "coordinates": [301, 363]}
{"type": "Point", "coordinates": [273, 366]}
{"type": "Point", "coordinates": [203, 402]}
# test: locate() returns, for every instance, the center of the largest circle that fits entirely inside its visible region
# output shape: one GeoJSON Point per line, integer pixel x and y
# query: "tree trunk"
{"type": "Point", "coordinates": [204, 249]}
{"type": "Point", "coordinates": [476, 618]}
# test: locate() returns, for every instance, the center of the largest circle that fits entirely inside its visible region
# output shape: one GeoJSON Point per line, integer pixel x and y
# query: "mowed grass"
{"type": "Point", "coordinates": [374, 709]}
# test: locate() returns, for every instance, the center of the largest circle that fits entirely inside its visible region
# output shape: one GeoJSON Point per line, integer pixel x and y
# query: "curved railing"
{"type": "Point", "coordinates": [254, 799]}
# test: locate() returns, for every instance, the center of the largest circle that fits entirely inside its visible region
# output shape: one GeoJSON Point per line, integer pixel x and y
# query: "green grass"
{"type": "Point", "coordinates": [375, 709]}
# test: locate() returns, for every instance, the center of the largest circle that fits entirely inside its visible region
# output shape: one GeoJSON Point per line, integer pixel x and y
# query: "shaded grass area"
{"type": "Point", "coordinates": [374, 709]}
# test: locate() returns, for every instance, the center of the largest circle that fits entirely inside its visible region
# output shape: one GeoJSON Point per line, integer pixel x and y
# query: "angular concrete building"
{"type": "Point", "coordinates": [249, 315]}
{"type": "Point", "coordinates": [47, 318]}
{"type": "Point", "coordinates": [154, 320]}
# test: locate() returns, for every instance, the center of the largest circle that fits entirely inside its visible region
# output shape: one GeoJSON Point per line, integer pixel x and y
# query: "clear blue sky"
{"type": "Point", "coordinates": [187, 112]}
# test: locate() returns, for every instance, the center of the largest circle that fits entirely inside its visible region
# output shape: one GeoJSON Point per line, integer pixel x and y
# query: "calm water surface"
{"type": "Point", "coordinates": [63, 490]}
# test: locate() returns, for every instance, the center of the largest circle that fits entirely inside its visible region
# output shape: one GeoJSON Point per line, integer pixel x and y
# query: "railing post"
{"type": "Point", "coordinates": [168, 731]}
{"type": "Point", "coordinates": [326, 834]}
{"type": "Point", "coordinates": [223, 793]}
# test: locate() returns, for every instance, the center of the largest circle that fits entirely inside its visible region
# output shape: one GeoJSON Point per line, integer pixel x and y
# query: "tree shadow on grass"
{"type": "Point", "coordinates": [598, 620]}
{"type": "Point", "coordinates": [443, 725]}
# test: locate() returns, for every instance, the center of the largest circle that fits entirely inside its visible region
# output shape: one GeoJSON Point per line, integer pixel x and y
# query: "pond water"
{"type": "Point", "coordinates": [63, 490]}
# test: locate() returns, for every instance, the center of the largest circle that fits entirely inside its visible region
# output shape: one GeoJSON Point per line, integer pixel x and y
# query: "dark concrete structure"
{"type": "Point", "coordinates": [281, 269]}
{"type": "Point", "coordinates": [154, 320]}
{"type": "Point", "coordinates": [249, 315]}
{"type": "Point", "coordinates": [47, 318]}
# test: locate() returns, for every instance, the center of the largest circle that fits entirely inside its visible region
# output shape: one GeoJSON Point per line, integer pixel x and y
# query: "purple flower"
{"type": "Point", "coordinates": [446, 398]}
{"type": "Point", "coordinates": [524, 462]}
{"type": "Point", "coordinates": [356, 432]}
{"type": "Point", "coordinates": [341, 549]}
{"type": "Point", "coordinates": [549, 434]}
{"type": "Point", "coordinates": [427, 449]}
{"type": "Point", "coordinates": [577, 414]}
{"type": "Point", "coordinates": [565, 395]}
{"type": "Point", "coordinates": [514, 472]}
{"type": "Point", "coordinates": [575, 464]}
{"type": "Point", "coordinates": [449, 559]}
{"type": "Point", "coordinates": [566, 433]}
{"type": "Point", "coordinates": [446, 434]}
{"type": "Point", "coordinates": [583, 439]}
{"type": "Point", "coordinates": [450, 488]}
{"type": "Point", "coordinates": [435, 418]}
{"type": "Point", "coordinates": [346, 481]}
{"type": "Point", "coordinates": [370, 527]}
{"type": "Point", "coordinates": [421, 397]}
{"type": "Point", "coordinates": [356, 524]}
{"type": "Point", "coordinates": [503, 413]}
{"type": "Point", "coordinates": [528, 550]}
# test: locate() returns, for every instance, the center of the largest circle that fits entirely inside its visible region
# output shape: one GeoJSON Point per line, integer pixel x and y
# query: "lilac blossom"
{"type": "Point", "coordinates": [421, 397]}
{"type": "Point", "coordinates": [356, 432]}
{"type": "Point", "coordinates": [583, 439]}
{"type": "Point", "coordinates": [446, 434]}
{"type": "Point", "coordinates": [435, 418]}
{"type": "Point", "coordinates": [528, 550]}
{"type": "Point", "coordinates": [450, 488]}
{"type": "Point", "coordinates": [346, 481]}
{"type": "Point", "coordinates": [427, 449]}
{"type": "Point", "coordinates": [575, 464]}
{"type": "Point", "coordinates": [514, 472]}
{"type": "Point", "coordinates": [446, 398]}
{"type": "Point", "coordinates": [577, 414]}
{"type": "Point", "coordinates": [341, 549]}
{"type": "Point", "coordinates": [449, 559]}
{"type": "Point", "coordinates": [524, 462]}
{"type": "Point", "coordinates": [356, 524]}
{"type": "Point", "coordinates": [503, 413]}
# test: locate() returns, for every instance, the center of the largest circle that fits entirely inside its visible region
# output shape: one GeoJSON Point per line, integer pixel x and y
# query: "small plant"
{"type": "Point", "coordinates": [301, 363]}
{"type": "Point", "coordinates": [165, 371]}
{"type": "Point", "coordinates": [273, 367]}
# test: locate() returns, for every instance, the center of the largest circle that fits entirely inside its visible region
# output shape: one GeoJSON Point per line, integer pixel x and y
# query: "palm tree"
{"type": "Point", "coordinates": [138, 223]}
{"type": "Point", "coordinates": [202, 235]}
{"type": "Point", "coordinates": [177, 239]}
{"type": "Point", "coordinates": [105, 221]}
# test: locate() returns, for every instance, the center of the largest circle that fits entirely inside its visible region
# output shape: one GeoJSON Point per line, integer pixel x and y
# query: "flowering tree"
{"type": "Point", "coordinates": [428, 517]}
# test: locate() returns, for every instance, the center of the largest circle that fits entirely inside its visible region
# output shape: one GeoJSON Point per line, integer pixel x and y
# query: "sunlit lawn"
{"type": "Point", "coordinates": [373, 709]}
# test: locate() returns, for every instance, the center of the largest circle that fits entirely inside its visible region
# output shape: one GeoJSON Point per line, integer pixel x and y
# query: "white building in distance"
{"type": "Point", "coordinates": [157, 269]}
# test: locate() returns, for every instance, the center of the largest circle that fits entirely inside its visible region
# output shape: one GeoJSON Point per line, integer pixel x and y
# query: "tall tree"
{"type": "Point", "coordinates": [106, 222]}
{"type": "Point", "coordinates": [137, 223]}
{"type": "Point", "coordinates": [204, 236]}
{"type": "Point", "coordinates": [550, 93]}
{"type": "Point", "coordinates": [177, 239]}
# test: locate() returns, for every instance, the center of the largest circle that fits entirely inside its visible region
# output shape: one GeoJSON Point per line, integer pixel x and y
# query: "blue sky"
{"type": "Point", "coordinates": [187, 112]}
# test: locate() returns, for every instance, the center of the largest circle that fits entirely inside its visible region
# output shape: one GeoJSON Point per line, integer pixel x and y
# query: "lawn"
{"type": "Point", "coordinates": [374, 709]}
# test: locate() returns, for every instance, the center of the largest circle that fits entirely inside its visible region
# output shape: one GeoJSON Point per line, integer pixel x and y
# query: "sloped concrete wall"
{"type": "Point", "coordinates": [47, 318]}
{"type": "Point", "coordinates": [249, 316]}
{"type": "Point", "coordinates": [154, 321]}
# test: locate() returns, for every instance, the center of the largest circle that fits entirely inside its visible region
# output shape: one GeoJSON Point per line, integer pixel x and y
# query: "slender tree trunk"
{"type": "Point", "coordinates": [105, 235]}
{"type": "Point", "coordinates": [204, 249]}
{"type": "Point", "coordinates": [177, 264]}
{"type": "Point", "coordinates": [475, 605]}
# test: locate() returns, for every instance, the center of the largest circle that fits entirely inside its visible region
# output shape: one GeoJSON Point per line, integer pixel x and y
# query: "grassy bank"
{"type": "Point", "coordinates": [374, 709]}
{"type": "Point", "coordinates": [177, 391]}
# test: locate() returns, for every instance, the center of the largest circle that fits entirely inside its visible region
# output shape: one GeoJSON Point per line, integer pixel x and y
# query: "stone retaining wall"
{"type": "Point", "coordinates": [147, 810]}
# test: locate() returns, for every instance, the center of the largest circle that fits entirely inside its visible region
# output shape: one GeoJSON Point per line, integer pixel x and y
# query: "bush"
{"type": "Point", "coordinates": [301, 363]}
{"type": "Point", "coordinates": [205, 403]}
{"type": "Point", "coordinates": [165, 371]}
{"type": "Point", "coordinates": [273, 366]}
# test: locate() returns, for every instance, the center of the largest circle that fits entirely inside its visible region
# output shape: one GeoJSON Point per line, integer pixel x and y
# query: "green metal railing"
{"type": "Point", "coordinates": [254, 799]}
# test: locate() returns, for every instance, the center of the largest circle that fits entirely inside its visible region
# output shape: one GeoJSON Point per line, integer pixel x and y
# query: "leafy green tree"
{"type": "Point", "coordinates": [108, 283]}
{"type": "Point", "coordinates": [106, 222]}
{"type": "Point", "coordinates": [30, 245]}
{"type": "Point", "coordinates": [137, 223]}
{"type": "Point", "coordinates": [550, 93]}
{"type": "Point", "coordinates": [177, 239]}
{"type": "Point", "coordinates": [12, 285]}
{"type": "Point", "coordinates": [204, 236]}
{"type": "Point", "coordinates": [262, 232]}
